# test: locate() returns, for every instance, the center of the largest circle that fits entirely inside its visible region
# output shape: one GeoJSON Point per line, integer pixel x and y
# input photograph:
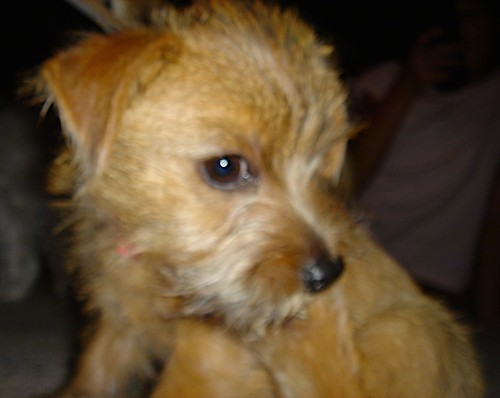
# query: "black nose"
{"type": "Point", "coordinates": [321, 272]}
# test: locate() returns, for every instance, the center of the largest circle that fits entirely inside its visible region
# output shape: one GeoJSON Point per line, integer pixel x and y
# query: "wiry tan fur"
{"type": "Point", "coordinates": [205, 281]}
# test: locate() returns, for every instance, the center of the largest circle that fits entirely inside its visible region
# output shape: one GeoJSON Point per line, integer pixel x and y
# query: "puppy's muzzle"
{"type": "Point", "coordinates": [321, 271]}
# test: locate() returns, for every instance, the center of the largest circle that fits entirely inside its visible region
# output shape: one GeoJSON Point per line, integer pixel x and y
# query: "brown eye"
{"type": "Point", "coordinates": [227, 173]}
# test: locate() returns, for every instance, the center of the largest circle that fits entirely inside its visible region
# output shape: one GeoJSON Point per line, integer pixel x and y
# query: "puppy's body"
{"type": "Point", "coordinates": [208, 235]}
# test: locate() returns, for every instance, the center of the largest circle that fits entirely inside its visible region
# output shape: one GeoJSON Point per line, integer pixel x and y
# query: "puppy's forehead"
{"type": "Point", "coordinates": [263, 83]}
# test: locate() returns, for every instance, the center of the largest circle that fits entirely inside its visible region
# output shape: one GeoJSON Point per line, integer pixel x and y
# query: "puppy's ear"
{"type": "Point", "coordinates": [93, 83]}
{"type": "Point", "coordinates": [335, 169]}
{"type": "Point", "coordinates": [332, 168]}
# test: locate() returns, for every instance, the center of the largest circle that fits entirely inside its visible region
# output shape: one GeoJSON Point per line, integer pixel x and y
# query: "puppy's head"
{"type": "Point", "coordinates": [213, 141]}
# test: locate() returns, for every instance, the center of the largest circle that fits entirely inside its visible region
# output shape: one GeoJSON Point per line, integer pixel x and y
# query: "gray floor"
{"type": "Point", "coordinates": [36, 347]}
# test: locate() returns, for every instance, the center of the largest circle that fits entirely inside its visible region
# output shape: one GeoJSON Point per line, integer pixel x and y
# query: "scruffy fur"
{"type": "Point", "coordinates": [201, 278]}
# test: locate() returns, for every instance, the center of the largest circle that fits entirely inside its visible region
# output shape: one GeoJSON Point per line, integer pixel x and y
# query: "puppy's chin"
{"type": "Point", "coordinates": [249, 310]}
{"type": "Point", "coordinates": [237, 292]}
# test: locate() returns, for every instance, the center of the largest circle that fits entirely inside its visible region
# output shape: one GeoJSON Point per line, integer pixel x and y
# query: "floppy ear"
{"type": "Point", "coordinates": [93, 83]}
{"type": "Point", "coordinates": [335, 156]}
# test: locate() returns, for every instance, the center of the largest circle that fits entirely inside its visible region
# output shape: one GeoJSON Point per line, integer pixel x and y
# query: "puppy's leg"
{"type": "Point", "coordinates": [315, 357]}
{"type": "Point", "coordinates": [111, 359]}
{"type": "Point", "coordinates": [207, 362]}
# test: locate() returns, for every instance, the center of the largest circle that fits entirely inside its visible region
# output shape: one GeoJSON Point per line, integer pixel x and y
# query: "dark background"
{"type": "Point", "coordinates": [364, 32]}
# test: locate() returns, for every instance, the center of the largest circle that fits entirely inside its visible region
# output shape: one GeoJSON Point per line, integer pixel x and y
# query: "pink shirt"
{"type": "Point", "coordinates": [426, 203]}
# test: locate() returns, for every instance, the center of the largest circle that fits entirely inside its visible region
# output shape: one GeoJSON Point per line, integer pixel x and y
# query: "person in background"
{"type": "Point", "coordinates": [428, 160]}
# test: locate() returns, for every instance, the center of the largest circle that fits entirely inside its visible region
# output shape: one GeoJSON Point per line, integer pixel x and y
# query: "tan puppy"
{"type": "Point", "coordinates": [208, 235]}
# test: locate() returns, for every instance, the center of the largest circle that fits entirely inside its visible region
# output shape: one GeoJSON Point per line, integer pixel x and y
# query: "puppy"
{"type": "Point", "coordinates": [209, 237]}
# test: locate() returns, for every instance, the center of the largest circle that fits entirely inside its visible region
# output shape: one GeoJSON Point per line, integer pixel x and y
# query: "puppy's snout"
{"type": "Point", "coordinates": [321, 271]}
